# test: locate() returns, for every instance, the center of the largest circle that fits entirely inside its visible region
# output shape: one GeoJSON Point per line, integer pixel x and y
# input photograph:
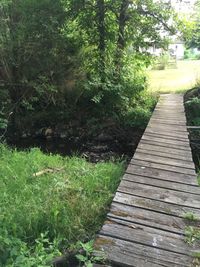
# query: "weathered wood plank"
{"type": "Point", "coordinates": [162, 166]}
{"type": "Point", "coordinates": [154, 205]}
{"type": "Point", "coordinates": [163, 135]}
{"type": "Point", "coordinates": [138, 255]}
{"type": "Point", "coordinates": [145, 235]}
{"type": "Point", "coordinates": [167, 132]}
{"type": "Point", "coordinates": [167, 122]}
{"type": "Point", "coordinates": [163, 194]}
{"type": "Point", "coordinates": [164, 160]}
{"type": "Point", "coordinates": [183, 144]}
{"type": "Point", "coordinates": [163, 128]}
{"type": "Point", "coordinates": [174, 117]}
{"type": "Point", "coordinates": [165, 175]}
{"type": "Point", "coordinates": [162, 183]}
{"type": "Point", "coordinates": [170, 111]}
{"type": "Point", "coordinates": [170, 151]}
{"type": "Point", "coordinates": [176, 128]}
{"type": "Point", "coordinates": [165, 155]}
{"type": "Point", "coordinates": [150, 218]}
{"type": "Point", "coordinates": [162, 144]}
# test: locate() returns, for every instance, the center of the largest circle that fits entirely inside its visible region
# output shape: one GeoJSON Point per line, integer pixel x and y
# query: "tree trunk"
{"type": "Point", "coordinates": [121, 43]}
{"type": "Point", "coordinates": [101, 32]}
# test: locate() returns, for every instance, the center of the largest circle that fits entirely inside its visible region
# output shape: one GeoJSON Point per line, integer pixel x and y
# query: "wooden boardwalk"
{"type": "Point", "coordinates": [145, 225]}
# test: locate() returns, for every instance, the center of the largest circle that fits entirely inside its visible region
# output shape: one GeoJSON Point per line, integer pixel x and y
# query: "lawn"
{"type": "Point", "coordinates": [46, 199]}
{"type": "Point", "coordinates": [184, 77]}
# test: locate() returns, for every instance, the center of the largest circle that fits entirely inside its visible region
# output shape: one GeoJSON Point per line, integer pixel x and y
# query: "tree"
{"type": "Point", "coordinates": [191, 28]}
{"type": "Point", "coordinates": [104, 42]}
{"type": "Point", "coordinates": [115, 38]}
{"type": "Point", "coordinates": [35, 56]}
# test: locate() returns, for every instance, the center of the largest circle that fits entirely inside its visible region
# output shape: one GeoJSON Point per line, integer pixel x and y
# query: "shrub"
{"type": "Point", "coordinates": [193, 110]}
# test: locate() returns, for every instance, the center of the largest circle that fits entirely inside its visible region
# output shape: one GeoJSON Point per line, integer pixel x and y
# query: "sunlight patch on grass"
{"type": "Point", "coordinates": [178, 80]}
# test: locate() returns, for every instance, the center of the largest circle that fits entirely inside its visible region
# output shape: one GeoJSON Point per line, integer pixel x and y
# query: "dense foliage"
{"type": "Point", "coordinates": [39, 208]}
{"type": "Point", "coordinates": [192, 31]}
{"type": "Point", "coordinates": [66, 59]}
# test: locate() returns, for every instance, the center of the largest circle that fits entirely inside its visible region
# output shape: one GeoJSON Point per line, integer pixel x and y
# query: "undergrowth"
{"type": "Point", "coordinates": [41, 212]}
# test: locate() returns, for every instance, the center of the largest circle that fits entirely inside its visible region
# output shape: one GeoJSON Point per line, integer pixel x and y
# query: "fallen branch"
{"type": "Point", "coordinates": [47, 170]}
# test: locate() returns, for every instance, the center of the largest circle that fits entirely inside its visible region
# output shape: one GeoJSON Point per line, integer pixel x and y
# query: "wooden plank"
{"type": "Point", "coordinates": [182, 144]}
{"type": "Point", "coordinates": [131, 254]}
{"type": "Point", "coordinates": [163, 194]}
{"type": "Point", "coordinates": [170, 118]}
{"type": "Point", "coordinates": [167, 132]}
{"type": "Point", "coordinates": [140, 216]}
{"type": "Point", "coordinates": [164, 160]}
{"type": "Point", "coordinates": [162, 135]}
{"type": "Point", "coordinates": [172, 129]}
{"type": "Point", "coordinates": [167, 122]}
{"type": "Point", "coordinates": [145, 235]}
{"type": "Point", "coordinates": [168, 127]}
{"type": "Point", "coordinates": [175, 103]}
{"type": "Point", "coordinates": [162, 144]}
{"type": "Point", "coordinates": [159, 115]}
{"type": "Point", "coordinates": [165, 154]}
{"type": "Point", "coordinates": [154, 205]}
{"type": "Point", "coordinates": [162, 183]}
{"type": "Point", "coordinates": [163, 175]}
{"type": "Point", "coordinates": [173, 151]}
{"type": "Point", "coordinates": [171, 115]}
{"type": "Point", "coordinates": [162, 166]}
{"type": "Point", "coordinates": [163, 129]}
{"type": "Point", "coordinates": [171, 109]}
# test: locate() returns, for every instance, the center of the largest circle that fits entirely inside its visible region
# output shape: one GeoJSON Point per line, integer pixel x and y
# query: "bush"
{"type": "Point", "coordinates": [139, 114]}
{"type": "Point", "coordinates": [161, 62]}
{"type": "Point", "coordinates": [193, 110]}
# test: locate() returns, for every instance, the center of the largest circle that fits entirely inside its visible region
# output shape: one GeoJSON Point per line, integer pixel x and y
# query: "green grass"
{"type": "Point", "coordinates": [177, 80]}
{"type": "Point", "coordinates": [192, 234]}
{"type": "Point", "coordinates": [69, 204]}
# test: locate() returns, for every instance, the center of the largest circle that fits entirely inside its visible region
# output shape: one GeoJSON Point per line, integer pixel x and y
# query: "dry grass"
{"type": "Point", "coordinates": [177, 80]}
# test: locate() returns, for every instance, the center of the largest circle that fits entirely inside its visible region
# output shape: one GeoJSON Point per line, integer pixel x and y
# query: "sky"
{"type": "Point", "coordinates": [184, 7]}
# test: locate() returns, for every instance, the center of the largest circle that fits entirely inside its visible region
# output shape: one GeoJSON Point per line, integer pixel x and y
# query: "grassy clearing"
{"type": "Point", "coordinates": [175, 80]}
{"type": "Point", "coordinates": [36, 212]}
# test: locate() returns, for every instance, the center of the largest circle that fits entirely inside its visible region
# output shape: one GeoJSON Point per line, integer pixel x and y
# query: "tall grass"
{"type": "Point", "coordinates": [69, 204]}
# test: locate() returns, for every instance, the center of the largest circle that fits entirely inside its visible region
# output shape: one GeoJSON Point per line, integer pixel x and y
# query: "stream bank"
{"type": "Point", "coordinates": [107, 144]}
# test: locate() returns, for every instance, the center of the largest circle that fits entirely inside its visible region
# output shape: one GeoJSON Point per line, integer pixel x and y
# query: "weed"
{"type": "Point", "coordinates": [196, 260]}
{"type": "Point", "coordinates": [196, 254]}
{"type": "Point", "coordinates": [192, 234]}
{"type": "Point", "coordinates": [87, 258]}
{"type": "Point", "coordinates": [191, 216]}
